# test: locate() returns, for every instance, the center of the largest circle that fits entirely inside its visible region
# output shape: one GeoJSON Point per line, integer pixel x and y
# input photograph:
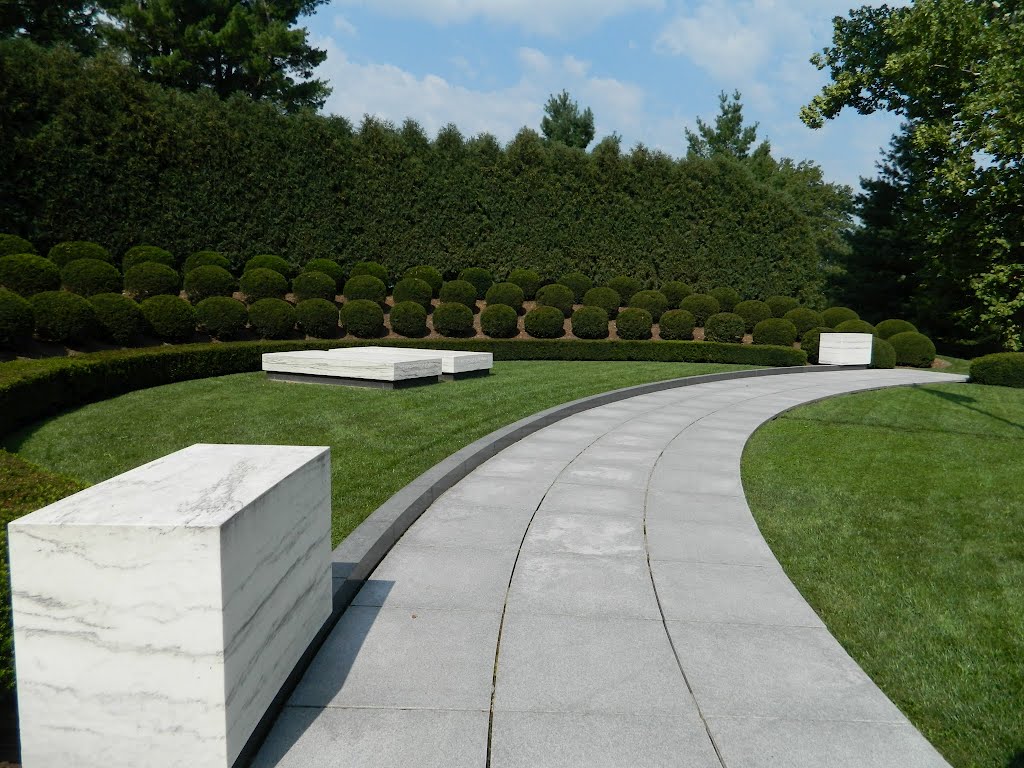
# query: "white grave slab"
{"type": "Point", "coordinates": [157, 614]}
{"type": "Point", "coordinates": [352, 365]}
{"type": "Point", "coordinates": [454, 363]}
{"type": "Point", "coordinates": [845, 349]}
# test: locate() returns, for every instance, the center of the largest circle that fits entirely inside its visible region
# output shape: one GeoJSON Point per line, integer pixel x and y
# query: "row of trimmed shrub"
{"type": "Point", "coordinates": [1002, 369]}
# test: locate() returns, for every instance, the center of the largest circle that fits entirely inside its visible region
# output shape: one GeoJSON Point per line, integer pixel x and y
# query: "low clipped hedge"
{"type": "Point", "coordinates": [203, 282]}
{"type": "Point", "coordinates": [804, 319]}
{"type": "Point", "coordinates": [63, 253]}
{"type": "Point", "coordinates": [371, 268]}
{"type": "Point", "coordinates": [366, 288]}
{"type": "Point", "coordinates": [883, 355]}
{"type": "Point", "coordinates": [454, 319]}
{"type": "Point", "coordinates": [270, 261]}
{"type": "Point", "coordinates": [414, 289]}
{"type": "Point", "coordinates": [752, 312]}
{"type": "Point", "coordinates": [409, 318]}
{"type": "Point", "coordinates": [272, 318]}
{"type": "Point", "coordinates": [330, 268]}
{"type": "Point", "coordinates": [13, 244]}
{"type": "Point", "coordinates": [545, 322]}
{"type": "Point", "coordinates": [27, 274]}
{"type": "Point", "coordinates": [87, 277]}
{"type": "Point", "coordinates": [1002, 369]}
{"type": "Point", "coordinates": [605, 298]}
{"type": "Point", "coordinates": [634, 324]}
{"type": "Point", "coordinates": [775, 330]}
{"type": "Point", "coordinates": [222, 317]}
{"type": "Point", "coordinates": [677, 325]}
{"type": "Point", "coordinates": [780, 305]}
{"type": "Point", "coordinates": [16, 319]}
{"type": "Point", "coordinates": [151, 279]}
{"type": "Point", "coordinates": [625, 287]}
{"type": "Point", "coordinates": [590, 323]}
{"type": "Point", "coordinates": [701, 306]}
{"type": "Point", "coordinates": [856, 326]}
{"type": "Point", "coordinates": [913, 349]}
{"type": "Point", "coordinates": [528, 280]}
{"type": "Point", "coordinates": [888, 328]}
{"type": "Point", "coordinates": [499, 321]}
{"type": "Point", "coordinates": [169, 317]}
{"type": "Point", "coordinates": [727, 299]}
{"type": "Point", "coordinates": [675, 291]}
{"type": "Point", "coordinates": [314, 285]}
{"type": "Point", "coordinates": [654, 302]}
{"type": "Point", "coordinates": [63, 317]}
{"type": "Point", "coordinates": [479, 278]}
{"type": "Point", "coordinates": [578, 283]}
{"type": "Point", "coordinates": [557, 295]}
{"type": "Point", "coordinates": [429, 275]}
{"type": "Point", "coordinates": [206, 259]}
{"type": "Point", "coordinates": [363, 318]}
{"type": "Point", "coordinates": [317, 318]}
{"type": "Point", "coordinates": [140, 254]}
{"type": "Point", "coordinates": [458, 292]}
{"type": "Point", "coordinates": [509, 294]}
{"type": "Point", "coordinates": [118, 317]}
{"type": "Point", "coordinates": [833, 316]}
{"type": "Point", "coordinates": [725, 328]}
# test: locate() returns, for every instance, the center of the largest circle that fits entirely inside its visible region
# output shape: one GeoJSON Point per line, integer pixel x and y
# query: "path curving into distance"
{"type": "Point", "coordinates": [599, 595]}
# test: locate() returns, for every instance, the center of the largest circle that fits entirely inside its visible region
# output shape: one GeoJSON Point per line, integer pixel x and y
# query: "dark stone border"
{"type": "Point", "coordinates": [361, 552]}
{"type": "Point", "coordinates": [466, 375]}
{"type": "Point", "coordinates": [345, 381]}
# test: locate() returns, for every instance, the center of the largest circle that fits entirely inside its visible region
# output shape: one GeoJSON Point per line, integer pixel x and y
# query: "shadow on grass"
{"type": "Point", "coordinates": [965, 401]}
{"type": "Point", "coordinates": [1017, 761]}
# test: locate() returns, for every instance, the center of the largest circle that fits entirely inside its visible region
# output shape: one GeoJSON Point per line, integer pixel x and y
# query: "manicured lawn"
{"type": "Point", "coordinates": [899, 514]}
{"type": "Point", "coordinates": [379, 440]}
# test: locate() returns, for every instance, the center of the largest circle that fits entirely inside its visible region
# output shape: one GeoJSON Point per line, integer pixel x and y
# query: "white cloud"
{"type": "Point", "coordinates": [715, 39]}
{"type": "Point", "coordinates": [534, 60]}
{"type": "Point", "coordinates": [575, 66]}
{"type": "Point", "coordinates": [345, 26]}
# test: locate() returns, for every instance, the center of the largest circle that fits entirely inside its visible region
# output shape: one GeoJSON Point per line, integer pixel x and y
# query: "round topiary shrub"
{"type": "Point", "coordinates": [883, 355]}
{"type": "Point", "coordinates": [701, 306]}
{"type": "Point", "coordinates": [833, 316]}
{"type": "Point", "coordinates": [28, 274]}
{"type": "Point", "coordinates": [676, 325]}
{"type": "Point", "coordinates": [63, 317]}
{"type": "Point", "coordinates": [87, 277]}
{"type": "Point", "coordinates": [752, 312]}
{"type": "Point", "coordinates": [727, 298]}
{"type": "Point", "coordinates": [605, 298]}
{"type": "Point", "coordinates": [454, 319]}
{"type": "Point", "coordinates": [204, 282]}
{"type": "Point", "coordinates": [590, 323]}
{"type": "Point", "coordinates": [675, 292]}
{"type": "Point", "coordinates": [578, 283]}
{"type": "Point", "coordinates": [804, 319]}
{"type": "Point", "coordinates": [625, 287]}
{"type": "Point", "coordinates": [409, 318]}
{"type": "Point", "coordinates": [169, 317]}
{"type": "Point", "coordinates": [479, 278]}
{"type": "Point", "coordinates": [262, 283]}
{"type": "Point", "coordinates": [888, 328]}
{"type": "Point", "coordinates": [63, 253]}
{"type": "Point", "coordinates": [526, 279]}
{"type": "Point", "coordinates": [725, 327]}
{"type": "Point", "coordinates": [206, 259]}
{"type": "Point", "coordinates": [330, 268]}
{"type": "Point", "coordinates": [654, 302]}
{"type": "Point", "coordinates": [811, 340]}
{"type": "Point", "coordinates": [429, 275]}
{"type": "Point", "coordinates": [775, 330]}
{"type": "Point", "coordinates": [1003, 369]}
{"type": "Point", "coordinates": [363, 318]}
{"type": "Point", "coordinates": [414, 289]}
{"type": "Point", "coordinates": [557, 295]}
{"type": "Point", "coordinates": [458, 292]}
{"type": "Point", "coordinates": [499, 321]}
{"type": "Point", "coordinates": [545, 322]}
{"type": "Point", "coordinates": [856, 326]}
{"type": "Point", "coordinates": [16, 319]}
{"type": "Point", "coordinates": [372, 268]}
{"type": "Point", "coordinates": [151, 279]}
{"type": "Point", "coordinates": [913, 349]}
{"type": "Point", "coordinates": [10, 244]}
{"type": "Point", "coordinates": [272, 318]}
{"type": "Point", "coordinates": [118, 317]}
{"type": "Point", "coordinates": [366, 287]}
{"type": "Point", "coordinates": [269, 261]}
{"type": "Point", "coordinates": [140, 254]}
{"type": "Point", "coordinates": [634, 323]}
{"type": "Point", "coordinates": [507, 294]}
{"type": "Point", "coordinates": [318, 318]}
{"type": "Point", "coordinates": [222, 317]}
{"type": "Point", "coordinates": [314, 285]}
{"type": "Point", "coordinates": [780, 305]}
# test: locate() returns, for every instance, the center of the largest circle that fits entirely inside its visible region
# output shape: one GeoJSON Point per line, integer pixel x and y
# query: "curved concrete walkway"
{"type": "Point", "coordinates": [599, 595]}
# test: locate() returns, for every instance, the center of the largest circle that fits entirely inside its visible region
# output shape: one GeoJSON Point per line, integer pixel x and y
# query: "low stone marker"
{"type": "Point", "coordinates": [845, 349]}
{"type": "Point", "coordinates": [353, 367]}
{"type": "Point", "coordinates": [455, 364]}
{"type": "Point", "coordinates": [158, 614]}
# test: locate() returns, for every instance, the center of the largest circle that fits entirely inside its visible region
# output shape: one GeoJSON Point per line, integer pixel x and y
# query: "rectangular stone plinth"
{"type": "Point", "coordinates": [157, 614]}
{"type": "Point", "coordinates": [845, 349]}
{"type": "Point", "coordinates": [353, 364]}
{"type": "Point", "coordinates": [454, 363]}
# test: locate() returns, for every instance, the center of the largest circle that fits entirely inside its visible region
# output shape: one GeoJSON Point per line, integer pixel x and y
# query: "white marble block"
{"type": "Point", "coordinates": [845, 349]}
{"type": "Point", "coordinates": [157, 614]}
{"type": "Point", "coordinates": [353, 363]}
{"type": "Point", "coordinates": [452, 361]}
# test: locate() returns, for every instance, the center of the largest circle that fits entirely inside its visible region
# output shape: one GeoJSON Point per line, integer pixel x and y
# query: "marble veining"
{"type": "Point", "coordinates": [352, 363]}
{"type": "Point", "coordinates": [452, 361]}
{"type": "Point", "coordinates": [845, 349]}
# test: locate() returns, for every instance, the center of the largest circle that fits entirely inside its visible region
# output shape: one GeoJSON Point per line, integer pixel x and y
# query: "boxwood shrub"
{"type": "Point", "coordinates": [677, 325]}
{"type": "Point", "coordinates": [459, 292]}
{"type": "Point", "coordinates": [752, 312]}
{"type": "Point", "coordinates": [508, 294]}
{"type": "Point", "coordinates": [775, 330]}
{"type": "Point", "coordinates": [318, 318]}
{"type": "Point", "coordinates": [780, 305]}
{"type": "Point", "coordinates": [675, 292]}
{"type": "Point", "coordinates": [557, 295]}
{"type": "Point", "coordinates": [62, 253]}
{"type": "Point", "coordinates": [526, 279]}
{"type": "Point", "coordinates": [883, 355]}
{"type": "Point", "coordinates": [87, 277]}
{"type": "Point", "coordinates": [634, 323]}
{"type": "Point", "coordinates": [856, 326]}
{"type": "Point", "coordinates": [804, 319]}
{"type": "Point", "coordinates": [578, 283]}
{"type": "Point", "coordinates": [701, 306]}
{"type": "Point", "coordinates": [206, 259]}
{"type": "Point", "coordinates": [151, 279]}
{"type": "Point", "coordinates": [888, 328]}
{"type": "Point", "coordinates": [314, 285]}
{"type": "Point", "coordinates": [371, 268]}
{"type": "Point", "coordinates": [409, 318]}
{"type": "Point", "coordinates": [140, 254]}
{"type": "Point", "coordinates": [833, 316]}
{"type": "Point", "coordinates": [330, 268]}
{"type": "Point", "coordinates": [366, 287]}
{"type": "Point", "coordinates": [605, 298]}
{"type": "Point", "coordinates": [625, 287]}
{"type": "Point", "coordinates": [545, 322]}
{"type": "Point", "coordinates": [204, 282]}
{"type": "Point", "coordinates": [727, 298]}
{"type": "Point", "coordinates": [28, 274]}
{"type": "Point", "coordinates": [654, 302]}
{"type": "Point", "coordinates": [16, 319]}
{"type": "Point", "coordinates": [262, 283]}
{"type": "Point", "coordinates": [811, 340]}
{"type": "Point", "coordinates": [117, 317]}
{"type": "Point", "coordinates": [222, 317]}
{"type": "Point", "coordinates": [429, 275]}
{"type": "Point", "coordinates": [454, 319]}
{"type": "Point", "coordinates": [913, 349]}
{"type": "Point", "coordinates": [13, 244]}
{"type": "Point", "coordinates": [725, 328]}
{"type": "Point", "coordinates": [414, 289]}
{"type": "Point", "coordinates": [479, 278]}
{"type": "Point", "coordinates": [590, 323]}
{"type": "Point", "coordinates": [499, 321]}
{"type": "Point", "coordinates": [169, 317]}
{"type": "Point", "coordinates": [1002, 369]}
{"type": "Point", "coordinates": [63, 317]}
{"type": "Point", "coordinates": [363, 318]}
{"type": "Point", "coordinates": [272, 318]}
{"type": "Point", "coordinates": [270, 261]}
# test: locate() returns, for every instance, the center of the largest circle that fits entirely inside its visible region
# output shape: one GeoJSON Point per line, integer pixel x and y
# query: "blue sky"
{"type": "Point", "coordinates": [647, 68]}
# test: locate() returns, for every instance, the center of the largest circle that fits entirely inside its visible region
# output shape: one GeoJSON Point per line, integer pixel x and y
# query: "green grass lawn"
{"type": "Point", "coordinates": [380, 440]}
{"type": "Point", "coordinates": [899, 514]}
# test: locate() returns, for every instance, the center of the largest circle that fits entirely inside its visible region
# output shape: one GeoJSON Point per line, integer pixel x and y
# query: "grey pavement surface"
{"type": "Point", "coordinates": [598, 594]}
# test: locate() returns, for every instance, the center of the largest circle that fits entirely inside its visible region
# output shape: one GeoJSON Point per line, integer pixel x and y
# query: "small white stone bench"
{"type": "Point", "coordinates": [354, 367]}
{"type": "Point", "coordinates": [455, 364]}
{"type": "Point", "coordinates": [845, 349]}
{"type": "Point", "coordinates": [158, 614]}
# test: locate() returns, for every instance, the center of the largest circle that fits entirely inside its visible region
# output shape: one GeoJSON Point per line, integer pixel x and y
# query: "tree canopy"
{"type": "Point", "coordinates": [563, 122]}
